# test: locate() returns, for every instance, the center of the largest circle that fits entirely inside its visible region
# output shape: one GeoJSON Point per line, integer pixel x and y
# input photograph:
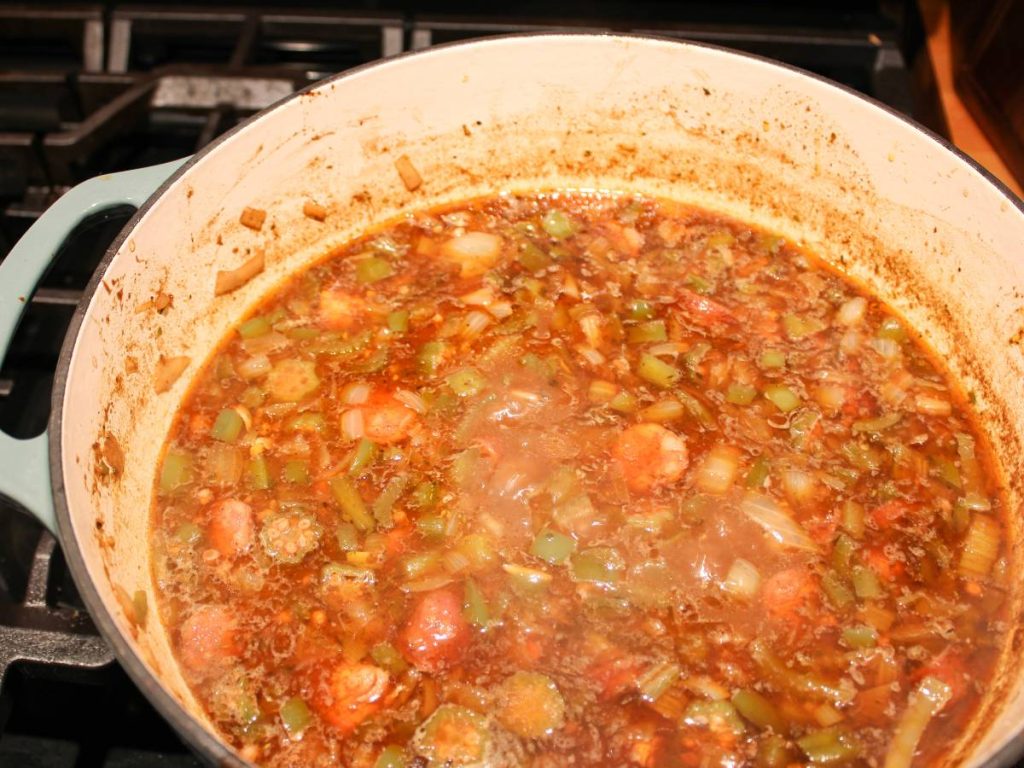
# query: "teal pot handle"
{"type": "Point", "coordinates": [25, 464]}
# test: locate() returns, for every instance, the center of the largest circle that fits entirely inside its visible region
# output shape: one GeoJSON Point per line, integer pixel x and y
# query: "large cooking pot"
{"type": "Point", "coordinates": [893, 206]}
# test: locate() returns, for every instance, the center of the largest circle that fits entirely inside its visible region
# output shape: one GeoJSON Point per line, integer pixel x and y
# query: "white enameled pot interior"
{"type": "Point", "coordinates": [921, 227]}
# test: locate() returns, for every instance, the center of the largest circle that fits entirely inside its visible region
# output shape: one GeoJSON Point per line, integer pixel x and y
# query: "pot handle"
{"type": "Point", "coordinates": [25, 464]}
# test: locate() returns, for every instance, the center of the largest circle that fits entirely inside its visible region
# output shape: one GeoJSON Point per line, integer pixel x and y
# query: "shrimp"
{"type": "Point", "coordinates": [231, 529]}
{"type": "Point", "coordinates": [650, 456]}
{"type": "Point", "coordinates": [436, 632]}
{"type": "Point", "coordinates": [340, 310]}
{"type": "Point", "coordinates": [353, 692]}
{"type": "Point", "coordinates": [206, 640]}
{"type": "Point", "coordinates": [387, 420]}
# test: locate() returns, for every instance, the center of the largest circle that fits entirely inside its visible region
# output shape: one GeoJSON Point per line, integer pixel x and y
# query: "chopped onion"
{"type": "Point", "coordinates": [474, 323]}
{"type": "Point", "coordinates": [475, 252]}
{"type": "Point", "coordinates": [352, 424]}
{"type": "Point", "coordinates": [356, 393]}
{"type": "Point", "coordinates": [924, 703]}
{"type": "Point", "coordinates": [831, 397]}
{"type": "Point", "coordinates": [590, 354]}
{"type": "Point", "coordinates": [667, 349]}
{"type": "Point", "coordinates": [569, 286]}
{"type": "Point", "coordinates": [668, 409]}
{"type": "Point", "coordinates": [851, 341]}
{"type": "Point", "coordinates": [887, 348]}
{"type": "Point", "coordinates": [718, 470]}
{"type": "Point", "coordinates": [482, 297]}
{"type": "Point", "coordinates": [590, 324]}
{"type": "Point", "coordinates": [245, 415]}
{"type": "Point", "coordinates": [852, 312]}
{"type": "Point", "coordinates": [601, 391]}
{"type": "Point", "coordinates": [766, 512]}
{"type": "Point", "coordinates": [932, 406]}
{"type": "Point", "coordinates": [411, 400]}
{"type": "Point", "coordinates": [743, 578]}
{"type": "Point", "coordinates": [799, 486]}
{"type": "Point", "coordinates": [500, 309]}
{"type": "Point", "coordinates": [254, 367]}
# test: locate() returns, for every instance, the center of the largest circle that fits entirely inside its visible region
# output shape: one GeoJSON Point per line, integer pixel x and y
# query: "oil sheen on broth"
{"type": "Point", "coordinates": [578, 479]}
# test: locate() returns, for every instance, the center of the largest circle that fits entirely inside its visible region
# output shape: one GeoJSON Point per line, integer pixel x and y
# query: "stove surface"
{"type": "Point", "coordinates": [88, 89]}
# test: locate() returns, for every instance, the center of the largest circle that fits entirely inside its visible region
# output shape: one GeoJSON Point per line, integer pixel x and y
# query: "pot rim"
{"type": "Point", "coordinates": [188, 727]}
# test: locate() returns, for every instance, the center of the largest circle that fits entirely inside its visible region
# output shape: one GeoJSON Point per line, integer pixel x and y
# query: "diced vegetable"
{"type": "Point", "coordinates": [392, 756]}
{"type": "Point", "coordinates": [758, 710]}
{"type": "Point", "coordinates": [718, 470]}
{"type": "Point", "coordinates": [776, 522]}
{"type": "Point", "coordinates": [603, 565]}
{"type": "Point", "coordinates": [553, 547]}
{"type": "Point", "coordinates": [743, 579]}
{"type": "Point", "coordinates": [292, 380]}
{"type": "Point", "coordinates": [647, 333]}
{"type": "Point", "coordinates": [431, 357]}
{"type": "Point", "coordinates": [384, 503]}
{"type": "Point", "coordinates": [254, 327]}
{"type": "Point", "coordinates": [453, 736]}
{"type": "Point", "coordinates": [533, 258]}
{"type": "Point", "coordinates": [640, 309]}
{"type": "Point", "coordinates": [474, 605]}
{"type": "Point", "coordinates": [782, 397]}
{"type": "Point", "coordinates": [295, 717]}
{"type": "Point", "coordinates": [657, 371]}
{"type": "Point", "coordinates": [853, 518]}
{"type": "Point", "coordinates": [363, 456]}
{"type": "Point", "coordinates": [352, 506]}
{"type": "Point", "coordinates": [466, 382]}
{"type": "Point", "coordinates": [740, 394]}
{"type": "Point", "coordinates": [758, 473]}
{"type": "Point", "coordinates": [386, 656]}
{"type": "Point", "coordinates": [557, 224]}
{"type": "Point", "coordinates": [829, 745]}
{"type": "Point", "coordinates": [773, 358]}
{"type": "Point", "coordinates": [718, 716]}
{"type": "Point", "coordinates": [663, 411]}
{"type": "Point", "coordinates": [296, 471]}
{"type": "Point", "coordinates": [228, 426]}
{"type": "Point", "coordinates": [176, 471]}
{"type": "Point", "coordinates": [925, 703]}
{"type": "Point", "coordinates": [980, 548]}
{"type": "Point", "coordinates": [653, 683]}
{"type": "Point", "coordinates": [527, 580]}
{"type": "Point", "coordinates": [860, 636]}
{"type": "Point", "coordinates": [373, 269]}
{"type": "Point", "coordinates": [224, 464]}
{"type": "Point", "coordinates": [865, 583]}
{"type": "Point", "coordinates": [799, 326]}
{"type": "Point", "coordinates": [623, 401]}
{"type": "Point", "coordinates": [288, 537]}
{"type": "Point", "coordinates": [530, 705]}
{"type": "Point", "coordinates": [398, 321]}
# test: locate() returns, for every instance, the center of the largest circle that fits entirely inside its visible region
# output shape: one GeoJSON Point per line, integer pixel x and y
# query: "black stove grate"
{"type": "Point", "coordinates": [88, 89]}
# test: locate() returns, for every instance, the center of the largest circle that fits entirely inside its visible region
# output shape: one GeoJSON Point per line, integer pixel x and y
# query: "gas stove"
{"type": "Point", "coordinates": [99, 88]}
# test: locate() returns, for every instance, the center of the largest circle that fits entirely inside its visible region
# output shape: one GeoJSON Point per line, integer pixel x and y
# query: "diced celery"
{"type": "Point", "coordinates": [665, 410]}
{"type": "Point", "coordinates": [649, 332]}
{"type": "Point", "coordinates": [553, 547]}
{"type": "Point", "coordinates": [863, 457]}
{"type": "Point", "coordinates": [398, 321]}
{"type": "Point", "coordinates": [623, 401]}
{"type": "Point", "coordinates": [798, 326]}
{"type": "Point", "coordinates": [228, 426]}
{"type": "Point", "coordinates": [947, 472]}
{"type": "Point", "coordinates": [782, 397]}
{"type": "Point", "coordinates": [295, 716]}
{"type": "Point", "coordinates": [865, 583]}
{"type": "Point", "coordinates": [348, 537]}
{"type": "Point", "coordinates": [718, 716]}
{"type": "Point", "coordinates": [296, 471]}
{"type": "Point", "coordinates": [347, 497]}
{"type": "Point", "coordinates": [533, 258]}
{"type": "Point", "coordinates": [362, 457]}
{"type": "Point", "coordinates": [640, 309]}
{"type": "Point", "coordinates": [372, 269]}
{"type": "Point", "coordinates": [892, 329]}
{"type": "Point", "coordinates": [384, 503]}
{"type": "Point", "coordinates": [830, 745]}
{"type": "Point", "coordinates": [837, 592]}
{"type": "Point", "coordinates": [557, 224]}
{"type": "Point", "coordinates": [176, 471]}
{"type": "Point", "coordinates": [758, 710]}
{"type": "Point", "coordinates": [740, 394]}
{"type": "Point", "coordinates": [466, 382]}
{"type": "Point", "coordinates": [453, 736]}
{"type": "Point", "coordinates": [431, 526]}
{"type": "Point", "coordinates": [418, 565]}
{"type": "Point", "coordinates": [430, 358]}
{"type": "Point", "coordinates": [843, 553]}
{"type": "Point", "coordinates": [657, 371]}
{"type": "Point", "coordinates": [307, 422]}
{"type": "Point", "coordinates": [474, 604]}
{"type": "Point", "coordinates": [479, 549]}
{"type": "Point", "coordinates": [188, 533]}
{"type": "Point", "coordinates": [802, 425]}
{"type": "Point", "coordinates": [392, 756]}
{"type": "Point", "coordinates": [695, 355]}
{"type": "Point", "coordinates": [860, 636]}
{"type": "Point", "coordinates": [773, 752]}
{"type": "Point", "coordinates": [527, 580]}
{"type": "Point", "coordinates": [257, 474]}
{"type": "Point", "coordinates": [758, 473]}
{"type": "Point", "coordinates": [878, 425]}
{"type": "Point", "coordinates": [658, 679]}
{"type": "Point", "coordinates": [424, 495]}
{"type": "Point", "coordinates": [853, 518]}
{"type": "Point", "coordinates": [598, 564]}
{"type": "Point", "coordinates": [773, 358]}
{"type": "Point", "coordinates": [253, 327]}
{"type": "Point", "coordinates": [698, 284]}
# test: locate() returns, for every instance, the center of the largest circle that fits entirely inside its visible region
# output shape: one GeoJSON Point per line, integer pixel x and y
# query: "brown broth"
{"type": "Point", "coordinates": [578, 479]}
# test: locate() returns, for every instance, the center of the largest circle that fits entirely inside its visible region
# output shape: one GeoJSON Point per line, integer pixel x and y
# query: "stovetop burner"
{"type": "Point", "coordinates": [99, 88]}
